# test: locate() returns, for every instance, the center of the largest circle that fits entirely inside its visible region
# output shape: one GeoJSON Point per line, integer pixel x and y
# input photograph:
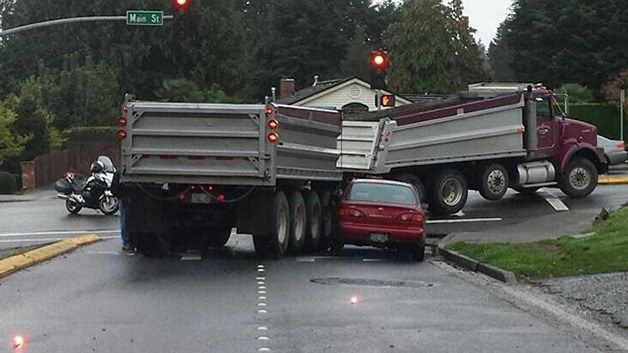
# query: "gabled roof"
{"type": "Point", "coordinates": [313, 90]}
{"type": "Point", "coordinates": [323, 87]}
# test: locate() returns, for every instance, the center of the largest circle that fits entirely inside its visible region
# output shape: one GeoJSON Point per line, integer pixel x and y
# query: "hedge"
{"type": "Point", "coordinates": [604, 116]}
{"type": "Point", "coordinates": [8, 184]}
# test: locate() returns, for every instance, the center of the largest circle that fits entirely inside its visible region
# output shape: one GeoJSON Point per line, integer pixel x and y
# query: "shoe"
{"type": "Point", "coordinates": [127, 248]}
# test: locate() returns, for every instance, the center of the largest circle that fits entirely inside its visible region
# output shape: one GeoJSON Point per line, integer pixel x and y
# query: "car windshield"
{"type": "Point", "coordinates": [384, 193]}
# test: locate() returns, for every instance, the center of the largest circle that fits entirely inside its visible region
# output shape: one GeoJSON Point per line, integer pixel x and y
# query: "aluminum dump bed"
{"type": "Point", "coordinates": [455, 132]}
{"type": "Point", "coordinates": [226, 144]}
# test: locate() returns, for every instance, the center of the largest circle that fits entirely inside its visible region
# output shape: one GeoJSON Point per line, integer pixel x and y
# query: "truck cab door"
{"type": "Point", "coordinates": [547, 128]}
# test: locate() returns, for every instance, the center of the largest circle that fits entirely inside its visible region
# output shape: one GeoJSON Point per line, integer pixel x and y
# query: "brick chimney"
{"type": "Point", "coordinates": [286, 88]}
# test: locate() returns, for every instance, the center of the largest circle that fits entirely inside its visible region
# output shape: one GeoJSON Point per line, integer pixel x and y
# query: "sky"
{"type": "Point", "coordinates": [485, 16]}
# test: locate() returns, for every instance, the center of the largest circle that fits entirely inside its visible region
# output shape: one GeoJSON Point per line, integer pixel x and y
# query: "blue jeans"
{"type": "Point", "coordinates": [124, 234]}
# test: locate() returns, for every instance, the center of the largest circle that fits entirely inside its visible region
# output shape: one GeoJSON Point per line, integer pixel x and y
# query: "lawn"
{"type": "Point", "coordinates": [605, 251]}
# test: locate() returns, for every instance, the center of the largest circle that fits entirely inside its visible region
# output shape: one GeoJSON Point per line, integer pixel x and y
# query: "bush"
{"type": "Point", "coordinates": [8, 184]}
{"type": "Point", "coordinates": [604, 116]}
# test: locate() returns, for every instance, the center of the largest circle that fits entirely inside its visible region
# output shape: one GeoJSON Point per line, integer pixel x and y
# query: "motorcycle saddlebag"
{"type": "Point", "coordinates": [63, 186]}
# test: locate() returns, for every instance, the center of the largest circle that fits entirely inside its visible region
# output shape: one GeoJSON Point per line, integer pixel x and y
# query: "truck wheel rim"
{"type": "Point", "coordinates": [579, 178]}
{"type": "Point", "coordinates": [496, 181]}
{"type": "Point", "coordinates": [452, 192]}
{"type": "Point", "coordinates": [282, 227]}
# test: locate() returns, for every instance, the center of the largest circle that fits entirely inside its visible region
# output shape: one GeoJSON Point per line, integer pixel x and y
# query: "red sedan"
{"type": "Point", "coordinates": [384, 214]}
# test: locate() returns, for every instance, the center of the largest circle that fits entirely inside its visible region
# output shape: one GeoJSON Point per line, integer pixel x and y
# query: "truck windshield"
{"type": "Point", "coordinates": [384, 193]}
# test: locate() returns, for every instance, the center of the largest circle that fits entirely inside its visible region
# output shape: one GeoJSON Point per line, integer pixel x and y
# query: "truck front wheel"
{"type": "Point", "coordinates": [579, 179]}
{"type": "Point", "coordinates": [449, 192]}
{"type": "Point", "coordinates": [274, 243]}
{"type": "Point", "coordinates": [493, 181]}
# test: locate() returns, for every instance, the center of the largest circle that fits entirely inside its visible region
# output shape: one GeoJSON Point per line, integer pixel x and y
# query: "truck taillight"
{"type": "Point", "coordinates": [273, 124]}
{"type": "Point", "coordinates": [270, 111]}
{"type": "Point", "coordinates": [125, 108]}
{"type": "Point", "coordinates": [122, 134]}
{"type": "Point", "coordinates": [122, 121]}
{"type": "Point", "coordinates": [273, 137]}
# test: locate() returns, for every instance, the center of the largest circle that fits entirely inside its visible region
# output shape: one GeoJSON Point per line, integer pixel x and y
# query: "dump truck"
{"type": "Point", "coordinates": [488, 139]}
{"type": "Point", "coordinates": [192, 172]}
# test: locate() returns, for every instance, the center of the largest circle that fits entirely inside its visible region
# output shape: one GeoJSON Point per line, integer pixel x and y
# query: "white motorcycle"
{"type": "Point", "coordinates": [93, 192]}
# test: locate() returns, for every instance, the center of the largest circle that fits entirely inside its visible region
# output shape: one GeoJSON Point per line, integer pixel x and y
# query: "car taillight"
{"type": "Point", "coordinates": [411, 217]}
{"type": "Point", "coordinates": [350, 212]}
{"type": "Point", "coordinates": [621, 145]}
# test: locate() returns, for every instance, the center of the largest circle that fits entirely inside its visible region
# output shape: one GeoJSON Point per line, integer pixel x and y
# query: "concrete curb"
{"type": "Point", "coordinates": [33, 257]}
{"type": "Point", "coordinates": [470, 264]}
{"type": "Point", "coordinates": [613, 180]}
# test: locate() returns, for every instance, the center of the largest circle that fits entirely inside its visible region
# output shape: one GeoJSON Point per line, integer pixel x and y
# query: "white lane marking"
{"type": "Point", "coordinates": [470, 220]}
{"type": "Point", "coordinates": [262, 328]}
{"type": "Point", "coordinates": [261, 298]}
{"type": "Point", "coordinates": [264, 349]}
{"type": "Point", "coordinates": [43, 239]}
{"type": "Point", "coordinates": [261, 304]}
{"type": "Point", "coordinates": [263, 338]}
{"type": "Point", "coordinates": [260, 266]}
{"type": "Point", "coordinates": [260, 278]}
{"type": "Point", "coordinates": [262, 311]}
{"type": "Point", "coordinates": [261, 270]}
{"type": "Point", "coordinates": [556, 203]}
{"type": "Point", "coordinates": [103, 252]}
{"type": "Point", "coordinates": [191, 257]}
{"type": "Point", "coordinates": [374, 260]}
{"type": "Point", "coordinates": [261, 292]}
{"type": "Point", "coordinates": [61, 232]}
{"type": "Point", "coordinates": [261, 287]}
{"type": "Point", "coordinates": [313, 258]}
{"type": "Point", "coordinates": [261, 283]}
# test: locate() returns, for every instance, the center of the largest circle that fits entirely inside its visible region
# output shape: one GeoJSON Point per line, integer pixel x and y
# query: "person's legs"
{"type": "Point", "coordinates": [126, 243]}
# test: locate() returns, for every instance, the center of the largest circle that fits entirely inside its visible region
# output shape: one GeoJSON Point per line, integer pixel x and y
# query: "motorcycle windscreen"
{"type": "Point", "coordinates": [106, 161]}
{"type": "Point", "coordinates": [63, 186]}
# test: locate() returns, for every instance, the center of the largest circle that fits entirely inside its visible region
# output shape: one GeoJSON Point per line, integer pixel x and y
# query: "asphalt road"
{"type": "Point", "coordinates": [97, 300]}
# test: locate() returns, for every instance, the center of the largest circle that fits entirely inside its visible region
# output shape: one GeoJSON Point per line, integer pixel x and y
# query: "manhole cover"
{"type": "Point", "coordinates": [369, 282]}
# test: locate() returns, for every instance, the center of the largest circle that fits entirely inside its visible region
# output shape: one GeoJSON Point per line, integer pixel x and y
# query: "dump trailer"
{"type": "Point", "coordinates": [487, 139]}
{"type": "Point", "coordinates": [192, 172]}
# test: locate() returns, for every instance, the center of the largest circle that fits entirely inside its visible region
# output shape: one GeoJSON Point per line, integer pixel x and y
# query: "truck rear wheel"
{"type": "Point", "coordinates": [328, 207]}
{"type": "Point", "coordinates": [274, 243]}
{"type": "Point", "coordinates": [414, 181]}
{"type": "Point", "coordinates": [152, 244]}
{"type": "Point", "coordinates": [314, 221]}
{"type": "Point", "coordinates": [579, 179]}
{"type": "Point", "coordinates": [493, 181]}
{"type": "Point", "coordinates": [298, 218]}
{"type": "Point", "coordinates": [218, 237]}
{"type": "Point", "coordinates": [449, 192]}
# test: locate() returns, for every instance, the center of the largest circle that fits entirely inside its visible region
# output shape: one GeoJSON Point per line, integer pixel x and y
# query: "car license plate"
{"type": "Point", "coordinates": [379, 238]}
{"type": "Point", "coordinates": [201, 198]}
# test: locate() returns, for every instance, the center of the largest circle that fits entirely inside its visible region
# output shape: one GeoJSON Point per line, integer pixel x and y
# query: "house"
{"type": "Point", "coordinates": [351, 95]}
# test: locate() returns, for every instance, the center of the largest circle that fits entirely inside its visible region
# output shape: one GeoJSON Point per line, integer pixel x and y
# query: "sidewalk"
{"type": "Point", "coordinates": [42, 193]}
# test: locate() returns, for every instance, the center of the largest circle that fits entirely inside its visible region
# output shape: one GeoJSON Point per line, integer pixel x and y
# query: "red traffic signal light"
{"type": "Point", "coordinates": [378, 60]}
{"type": "Point", "coordinates": [181, 5]}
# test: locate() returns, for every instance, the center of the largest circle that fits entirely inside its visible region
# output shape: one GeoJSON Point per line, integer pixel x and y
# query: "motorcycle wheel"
{"type": "Point", "coordinates": [72, 206]}
{"type": "Point", "coordinates": [109, 205]}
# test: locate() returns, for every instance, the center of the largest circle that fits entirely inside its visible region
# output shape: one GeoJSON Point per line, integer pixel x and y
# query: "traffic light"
{"type": "Point", "coordinates": [385, 100]}
{"type": "Point", "coordinates": [378, 63]}
{"type": "Point", "coordinates": [181, 6]}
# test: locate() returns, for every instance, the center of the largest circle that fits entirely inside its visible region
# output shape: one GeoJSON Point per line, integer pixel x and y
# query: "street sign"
{"type": "Point", "coordinates": [144, 18]}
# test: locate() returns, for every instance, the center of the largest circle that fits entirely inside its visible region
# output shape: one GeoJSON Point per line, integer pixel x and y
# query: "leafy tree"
{"type": "Point", "coordinates": [500, 56]}
{"type": "Point", "coordinates": [11, 144]}
{"type": "Point", "coordinates": [432, 49]}
{"type": "Point", "coordinates": [577, 93]}
{"type": "Point", "coordinates": [612, 89]}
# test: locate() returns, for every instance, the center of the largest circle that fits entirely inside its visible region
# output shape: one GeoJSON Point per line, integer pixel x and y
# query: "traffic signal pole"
{"type": "Point", "coordinates": [62, 21]}
{"type": "Point", "coordinates": [379, 99]}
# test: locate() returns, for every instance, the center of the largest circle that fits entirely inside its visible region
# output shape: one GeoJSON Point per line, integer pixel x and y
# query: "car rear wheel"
{"type": "Point", "coordinates": [418, 253]}
{"type": "Point", "coordinates": [328, 213]}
